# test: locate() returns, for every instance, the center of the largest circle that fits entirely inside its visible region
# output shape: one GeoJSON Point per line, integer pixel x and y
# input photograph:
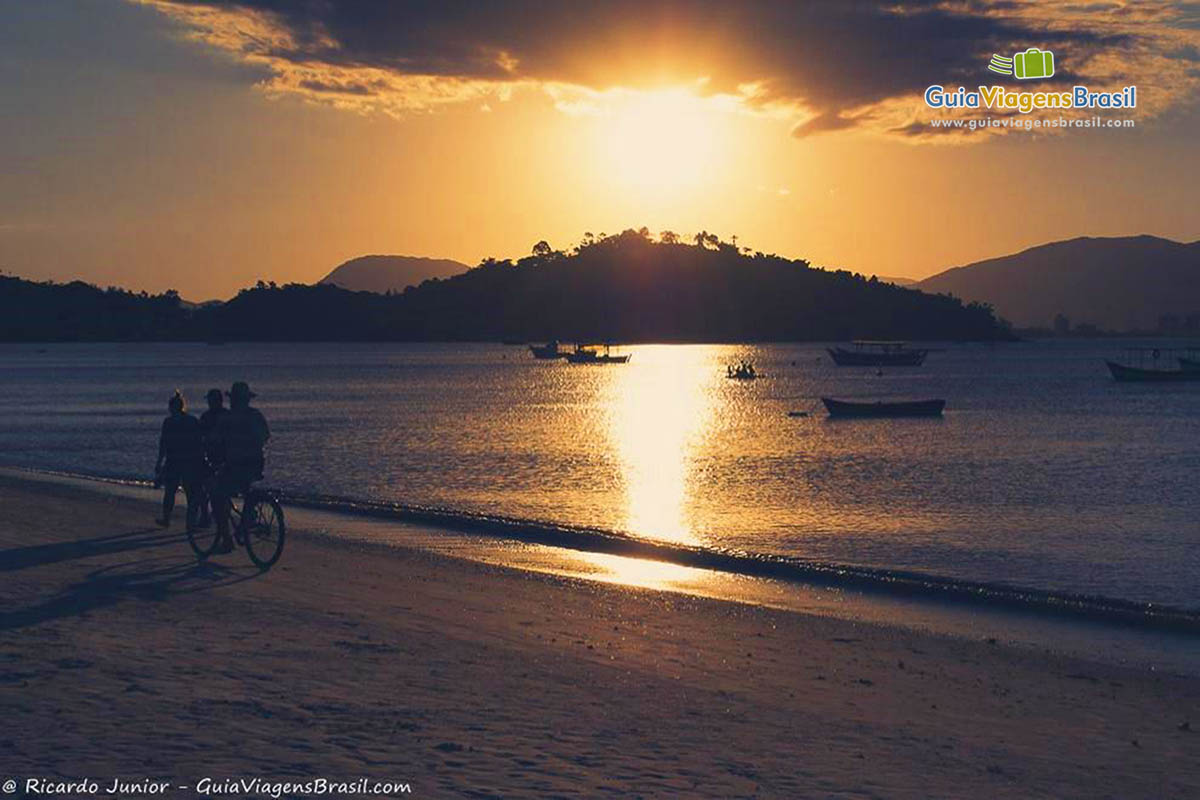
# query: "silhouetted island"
{"type": "Point", "coordinates": [79, 312]}
{"type": "Point", "coordinates": [626, 287]}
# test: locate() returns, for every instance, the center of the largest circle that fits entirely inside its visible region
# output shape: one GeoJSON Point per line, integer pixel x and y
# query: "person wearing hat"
{"type": "Point", "coordinates": [179, 458]}
{"type": "Point", "coordinates": [241, 433]}
{"type": "Point", "coordinates": [213, 452]}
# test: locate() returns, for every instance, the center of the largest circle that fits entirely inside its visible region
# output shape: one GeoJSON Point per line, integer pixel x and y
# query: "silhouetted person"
{"type": "Point", "coordinates": [179, 458]}
{"type": "Point", "coordinates": [214, 454]}
{"type": "Point", "coordinates": [241, 433]}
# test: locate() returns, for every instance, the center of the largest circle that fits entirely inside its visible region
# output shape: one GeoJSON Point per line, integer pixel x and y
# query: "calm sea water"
{"type": "Point", "coordinates": [1044, 472]}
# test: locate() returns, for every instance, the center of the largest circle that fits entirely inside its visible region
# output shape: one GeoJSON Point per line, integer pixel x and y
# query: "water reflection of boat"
{"type": "Point", "coordinates": [868, 353]}
{"type": "Point", "coordinates": [906, 408]}
{"type": "Point", "coordinates": [590, 354]}
{"type": "Point", "coordinates": [548, 350]}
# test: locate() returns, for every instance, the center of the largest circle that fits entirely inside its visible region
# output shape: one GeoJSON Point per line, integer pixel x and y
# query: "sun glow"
{"type": "Point", "coordinates": [664, 143]}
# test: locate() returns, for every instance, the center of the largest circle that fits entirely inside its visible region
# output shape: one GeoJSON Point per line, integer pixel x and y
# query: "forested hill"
{"type": "Point", "coordinates": [79, 312]}
{"type": "Point", "coordinates": [624, 288]}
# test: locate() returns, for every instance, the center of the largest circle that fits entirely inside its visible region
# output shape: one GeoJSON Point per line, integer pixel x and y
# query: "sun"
{"type": "Point", "coordinates": [663, 143]}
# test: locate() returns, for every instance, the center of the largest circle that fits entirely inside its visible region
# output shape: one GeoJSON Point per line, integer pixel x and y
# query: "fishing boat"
{"type": "Point", "coordinates": [908, 408]}
{"type": "Point", "coordinates": [591, 354]}
{"type": "Point", "coordinates": [870, 353]}
{"type": "Point", "coordinates": [1150, 368]}
{"type": "Point", "coordinates": [549, 350]}
{"type": "Point", "coordinates": [1126, 374]}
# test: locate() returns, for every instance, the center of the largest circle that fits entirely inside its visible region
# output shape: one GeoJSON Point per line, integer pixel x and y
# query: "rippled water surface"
{"type": "Point", "coordinates": [1043, 473]}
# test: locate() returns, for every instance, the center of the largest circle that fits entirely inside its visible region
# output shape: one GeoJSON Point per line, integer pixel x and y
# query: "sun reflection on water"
{"type": "Point", "coordinates": [661, 405]}
{"type": "Point", "coordinates": [641, 572]}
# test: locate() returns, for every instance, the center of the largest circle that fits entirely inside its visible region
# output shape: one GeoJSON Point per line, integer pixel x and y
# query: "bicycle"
{"type": "Point", "coordinates": [258, 526]}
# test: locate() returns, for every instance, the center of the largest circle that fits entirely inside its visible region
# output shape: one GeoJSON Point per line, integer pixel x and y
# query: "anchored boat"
{"type": "Point", "coordinates": [870, 353]}
{"type": "Point", "coordinates": [549, 350]}
{"type": "Point", "coordinates": [906, 408]}
{"type": "Point", "coordinates": [591, 354]}
{"type": "Point", "coordinates": [1126, 374]}
{"type": "Point", "coordinates": [1148, 369]}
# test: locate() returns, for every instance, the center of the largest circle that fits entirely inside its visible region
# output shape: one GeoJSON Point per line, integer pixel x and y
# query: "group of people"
{"type": "Point", "coordinates": [742, 371]}
{"type": "Point", "coordinates": [212, 458]}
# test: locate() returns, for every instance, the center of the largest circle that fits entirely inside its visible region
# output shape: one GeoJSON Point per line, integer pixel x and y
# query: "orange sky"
{"type": "Point", "coordinates": [144, 158]}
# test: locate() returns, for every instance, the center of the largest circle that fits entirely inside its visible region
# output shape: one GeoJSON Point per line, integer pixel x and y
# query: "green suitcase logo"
{"type": "Point", "coordinates": [1033, 63]}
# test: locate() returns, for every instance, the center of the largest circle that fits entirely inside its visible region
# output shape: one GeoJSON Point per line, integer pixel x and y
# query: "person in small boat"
{"type": "Point", "coordinates": [180, 454]}
{"type": "Point", "coordinates": [743, 370]}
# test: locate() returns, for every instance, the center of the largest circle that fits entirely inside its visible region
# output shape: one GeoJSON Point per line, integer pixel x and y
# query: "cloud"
{"type": "Point", "coordinates": [833, 65]}
{"type": "Point", "coordinates": [828, 121]}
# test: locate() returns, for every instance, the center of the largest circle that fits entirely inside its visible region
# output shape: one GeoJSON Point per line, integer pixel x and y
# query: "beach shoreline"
{"type": "Point", "coordinates": [1129, 638]}
{"type": "Point", "coordinates": [121, 658]}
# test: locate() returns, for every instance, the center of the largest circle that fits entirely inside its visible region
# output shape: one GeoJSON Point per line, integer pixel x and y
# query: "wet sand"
{"type": "Point", "coordinates": [120, 657]}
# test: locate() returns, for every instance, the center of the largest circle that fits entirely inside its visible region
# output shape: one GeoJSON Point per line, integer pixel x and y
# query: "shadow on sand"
{"type": "Point", "coordinates": [149, 579]}
{"type": "Point", "coordinates": [38, 555]}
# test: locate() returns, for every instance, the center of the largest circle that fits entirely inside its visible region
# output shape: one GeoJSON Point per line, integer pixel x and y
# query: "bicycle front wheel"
{"type": "Point", "coordinates": [265, 529]}
{"type": "Point", "coordinates": [203, 540]}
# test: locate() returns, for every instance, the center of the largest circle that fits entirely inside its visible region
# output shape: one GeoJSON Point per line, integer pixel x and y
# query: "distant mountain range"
{"type": "Point", "coordinates": [1122, 284]}
{"type": "Point", "coordinates": [390, 273]}
{"type": "Point", "coordinates": [623, 288]}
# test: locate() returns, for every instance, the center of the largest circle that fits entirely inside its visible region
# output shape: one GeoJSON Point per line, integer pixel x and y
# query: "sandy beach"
{"type": "Point", "coordinates": [122, 658]}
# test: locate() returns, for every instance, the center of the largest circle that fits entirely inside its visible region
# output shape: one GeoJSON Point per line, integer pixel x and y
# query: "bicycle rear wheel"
{"type": "Point", "coordinates": [264, 528]}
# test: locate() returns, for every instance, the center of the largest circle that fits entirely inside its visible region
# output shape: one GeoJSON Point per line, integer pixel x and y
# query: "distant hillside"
{"type": "Point", "coordinates": [75, 312]}
{"type": "Point", "coordinates": [1123, 283]}
{"type": "Point", "coordinates": [621, 288]}
{"type": "Point", "coordinates": [897, 281]}
{"type": "Point", "coordinates": [390, 273]}
{"type": "Point", "coordinates": [624, 288]}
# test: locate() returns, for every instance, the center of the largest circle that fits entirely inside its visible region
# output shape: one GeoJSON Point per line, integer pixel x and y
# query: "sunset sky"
{"type": "Point", "coordinates": [203, 146]}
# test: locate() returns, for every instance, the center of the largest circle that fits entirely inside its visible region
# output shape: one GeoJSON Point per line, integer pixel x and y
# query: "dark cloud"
{"type": "Point", "coordinates": [835, 60]}
{"type": "Point", "coordinates": [923, 130]}
{"type": "Point", "coordinates": [359, 89]}
{"type": "Point", "coordinates": [1187, 52]}
{"type": "Point", "coordinates": [828, 121]}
